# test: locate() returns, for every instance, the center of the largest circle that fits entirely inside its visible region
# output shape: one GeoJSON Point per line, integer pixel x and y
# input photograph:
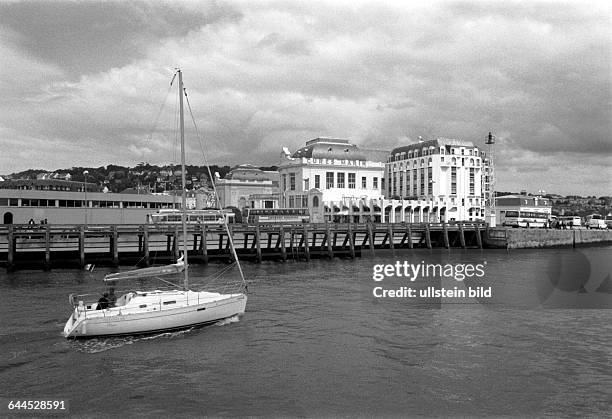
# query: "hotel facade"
{"type": "Point", "coordinates": [438, 180]}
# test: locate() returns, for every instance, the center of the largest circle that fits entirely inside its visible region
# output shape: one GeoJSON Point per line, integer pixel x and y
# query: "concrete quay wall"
{"type": "Point", "coordinates": [521, 238]}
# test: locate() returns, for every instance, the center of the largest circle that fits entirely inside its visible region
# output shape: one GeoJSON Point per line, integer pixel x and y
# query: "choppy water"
{"type": "Point", "coordinates": [315, 342]}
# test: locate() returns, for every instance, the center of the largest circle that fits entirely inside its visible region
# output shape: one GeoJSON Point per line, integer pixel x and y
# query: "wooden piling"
{"type": "Point", "coordinates": [204, 244]}
{"type": "Point", "coordinates": [409, 232]}
{"type": "Point", "coordinates": [115, 245]}
{"type": "Point", "coordinates": [82, 246]}
{"type": "Point", "coordinates": [479, 237]}
{"type": "Point", "coordinates": [391, 244]}
{"type": "Point", "coordinates": [176, 248]}
{"type": "Point", "coordinates": [461, 235]}
{"type": "Point", "coordinates": [306, 243]}
{"type": "Point", "coordinates": [282, 243]}
{"type": "Point", "coordinates": [371, 236]}
{"type": "Point", "coordinates": [10, 265]}
{"type": "Point", "coordinates": [427, 236]}
{"type": "Point", "coordinates": [258, 241]}
{"type": "Point", "coordinates": [351, 241]}
{"type": "Point", "coordinates": [330, 249]}
{"type": "Point", "coordinates": [145, 244]}
{"type": "Point", "coordinates": [446, 241]}
{"type": "Point", "coordinates": [47, 247]}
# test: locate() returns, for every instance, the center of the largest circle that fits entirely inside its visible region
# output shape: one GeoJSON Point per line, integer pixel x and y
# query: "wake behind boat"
{"type": "Point", "coordinates": [143, 312]}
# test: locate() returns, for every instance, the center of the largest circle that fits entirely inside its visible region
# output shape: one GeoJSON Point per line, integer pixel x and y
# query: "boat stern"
{"type": "Point", "coordinates": [71, 329]}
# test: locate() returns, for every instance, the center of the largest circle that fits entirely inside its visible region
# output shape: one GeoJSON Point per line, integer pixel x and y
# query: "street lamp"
{"type": "Point", "coordinates": [85, 173]}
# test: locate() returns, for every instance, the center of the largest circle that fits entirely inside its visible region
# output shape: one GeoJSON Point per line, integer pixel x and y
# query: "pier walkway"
{"type": "Point", "coordinates": [51, 245]}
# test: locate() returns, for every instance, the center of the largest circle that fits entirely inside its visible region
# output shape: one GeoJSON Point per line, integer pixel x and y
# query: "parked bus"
{"type": "Point", "coordinates": [275, 215]}
{"type": "Point", "coordinates": [571, 221]}
{"type": "Point", "coordinates": [524, 219]}
{"type": "Point", "coordinates": [206, 216]}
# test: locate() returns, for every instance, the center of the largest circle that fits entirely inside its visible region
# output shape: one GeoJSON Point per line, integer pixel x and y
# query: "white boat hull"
{"type": "Point", "coordinates": [154, 312]}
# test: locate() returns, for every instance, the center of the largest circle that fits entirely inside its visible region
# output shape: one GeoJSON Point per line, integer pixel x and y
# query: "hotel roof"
{"type": "Point", "coordinates": [334, 148]}
{"type": "Point", "coordinates": [437, 143]}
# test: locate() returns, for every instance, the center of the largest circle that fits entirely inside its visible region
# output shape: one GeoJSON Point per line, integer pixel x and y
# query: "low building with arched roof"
{"type": "Point", "coordinates": [248, 186]}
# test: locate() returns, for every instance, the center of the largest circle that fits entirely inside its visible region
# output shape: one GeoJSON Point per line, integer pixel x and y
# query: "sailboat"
{"type": "Point", "coordinates": [152, 311]}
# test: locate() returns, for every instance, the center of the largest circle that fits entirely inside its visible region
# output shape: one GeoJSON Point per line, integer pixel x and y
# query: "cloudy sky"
{"type": "Point", "coordinates": [87, 83]}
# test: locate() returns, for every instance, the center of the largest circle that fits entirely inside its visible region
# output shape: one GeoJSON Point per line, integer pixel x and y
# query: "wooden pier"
{"type": "Point", "coordinates": [49, 245]}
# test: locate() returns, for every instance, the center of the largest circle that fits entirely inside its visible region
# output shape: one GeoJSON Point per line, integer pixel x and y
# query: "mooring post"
{"type": "Point", "coordinates": [258, 241]}
{"type": "Point", "coordinates": [82, 245]}
{"type": "Point", "coordinates": [330, 249]}
{"type": "Point", "coordinates": [427, 236]}
{"type": "Point", "coordinates": [461, 235]}
{"type": "Point", "coordinates": [115, 245]}
{"type": "Point", "coordinates": [306, 243]}
{"type": "Point", "coordinates": [391, 244]}
{"type": "Point", "coordinates": [11, 249]}
{"type": "Point", "coordinates": [446, 241]}
{"type": "Point", "coordinates": [47, 247]}
{"type": "Point", "coordinates": [282, 243]}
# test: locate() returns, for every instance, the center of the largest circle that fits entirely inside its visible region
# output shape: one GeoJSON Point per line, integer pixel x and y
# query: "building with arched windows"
{"type": "Point", "coordinates": [435, 181]}
{"type": "Point", "coordinates": [334, 179]}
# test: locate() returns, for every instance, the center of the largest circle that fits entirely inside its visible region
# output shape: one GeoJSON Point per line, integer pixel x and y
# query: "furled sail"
{"type": "Point", "coordinates": [174, 268]}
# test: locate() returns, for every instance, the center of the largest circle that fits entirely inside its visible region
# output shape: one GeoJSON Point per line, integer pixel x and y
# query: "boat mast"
{"type": "Point", "coordinates": [183, 182]}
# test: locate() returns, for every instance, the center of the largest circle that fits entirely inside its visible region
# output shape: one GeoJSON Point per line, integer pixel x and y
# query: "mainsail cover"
{"type": "Point", "coordinates": [174, 268]}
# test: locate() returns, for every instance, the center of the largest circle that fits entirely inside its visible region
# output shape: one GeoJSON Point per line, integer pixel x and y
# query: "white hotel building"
{"type": "Point", "coordinates": [437, 181]}
{"type": "Point", "coordinates": [335, 180]}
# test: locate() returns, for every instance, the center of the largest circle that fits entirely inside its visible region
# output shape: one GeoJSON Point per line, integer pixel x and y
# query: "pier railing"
{"type": "Point", "coordinates": [51, 244]}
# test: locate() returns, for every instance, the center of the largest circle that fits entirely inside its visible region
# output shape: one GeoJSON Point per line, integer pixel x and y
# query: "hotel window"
{"type": "Point", "coordinates": [364, 182]}
{"type": "Point", "coordinates": [472, 181]}
{"type": "Point", "coordinates": [429, 181]}
{"type": "Point", "coordinates": [317, 181]}
{"type": "Point", "coordinates": [284, 182]}
{"type": "Point", "coordinates": [304, 201]}
{"type": "Point", "coordinates": [340, 180]}
{"type": "Point", "coordinates": [453, 180]}
{"type": "Point", "coordinates": [407, 182]}
{"type": "Point", "coordinates": [351, 180]}
{"type": "Point", "coordinates": [306, 184]}
{"type": "Point", "coordinates": [414, 182]}
{"type": "Point", "coordinates": [422, 181]}
{"type": "Point", "coordinates": [401, 183]}
{"type": "Point", "coordinates": [291, 201]}
{"type": "Point", "coordinates": [292, 181]}
{"type": "Point", "coordinates": [375, 183]}
{"type": "Point", "coordinates": [329, 180]}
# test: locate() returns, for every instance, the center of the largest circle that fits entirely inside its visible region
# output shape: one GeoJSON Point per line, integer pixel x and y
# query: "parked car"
{"type": "Point", "coordinates": [596, 221]}
{"type": "Point", "coordinates": [608, 220]}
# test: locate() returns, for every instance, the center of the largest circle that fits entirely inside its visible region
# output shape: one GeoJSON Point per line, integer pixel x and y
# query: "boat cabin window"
{"type": "Point", "coordinates": [169, 302]}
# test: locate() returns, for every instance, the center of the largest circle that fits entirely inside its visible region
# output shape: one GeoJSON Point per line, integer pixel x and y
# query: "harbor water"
{"type": "Point", "coordinates": [316, 341]}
